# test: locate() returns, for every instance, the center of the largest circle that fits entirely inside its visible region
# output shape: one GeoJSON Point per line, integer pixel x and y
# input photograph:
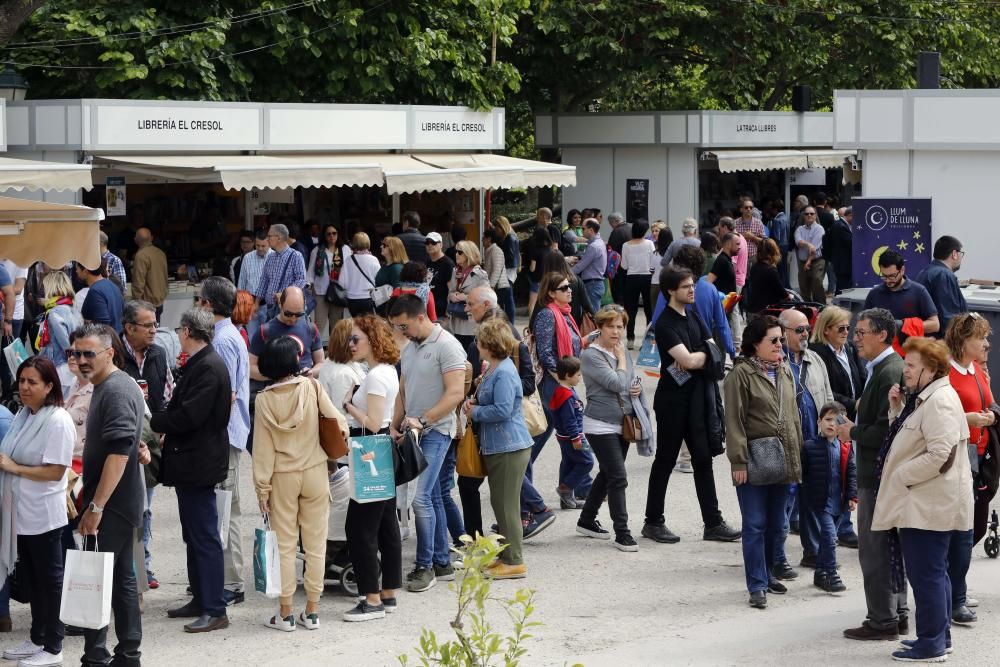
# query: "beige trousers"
{"type": "Point", "coordinates": [300, 505]}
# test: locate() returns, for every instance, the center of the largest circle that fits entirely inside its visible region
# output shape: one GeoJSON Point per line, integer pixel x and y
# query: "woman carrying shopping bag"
{"type": "Point", "coordinates": [34, 457]}
{"type": "Point", "coordinates": [290, 474]}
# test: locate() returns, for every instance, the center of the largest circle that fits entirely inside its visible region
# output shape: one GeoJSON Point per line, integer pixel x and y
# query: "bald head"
{"type": "Point", "coordinates": [143, 237]}
{"type": "Point", "coordinates": [795, 328]}
{"type": "Point", "coordinates": [291, 301]}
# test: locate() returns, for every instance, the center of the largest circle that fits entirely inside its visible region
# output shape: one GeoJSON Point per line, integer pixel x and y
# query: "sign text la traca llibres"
{"type": "Point", "coordinates": [179, 124]}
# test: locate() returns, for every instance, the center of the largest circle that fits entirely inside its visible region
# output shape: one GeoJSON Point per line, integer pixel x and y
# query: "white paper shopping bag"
{"type": "Point", "coordinates": [86, 593]}
{"type": "Point", "coordinates": [223, 507]}
{"type": "Point", "coordinates": [266, 561]}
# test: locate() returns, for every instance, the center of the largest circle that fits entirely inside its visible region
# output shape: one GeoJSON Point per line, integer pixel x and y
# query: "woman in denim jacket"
{"type": "Point", "coordinates": [504, 440]}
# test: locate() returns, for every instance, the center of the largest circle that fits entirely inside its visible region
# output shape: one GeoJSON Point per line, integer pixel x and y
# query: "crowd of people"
{"type": "Point", "coordinates": [891, 417]}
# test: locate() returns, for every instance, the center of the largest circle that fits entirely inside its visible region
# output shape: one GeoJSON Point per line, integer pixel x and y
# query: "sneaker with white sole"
{"type": "Point", "coordinates": [42, 659]}
{"type": "Point", "coordinates": [908, 643]}
{"type": "Point", "coordinates": [625, 542]}
{"type": "Point", "coordinates": [592, 529]}
{"type": "Point", "coordinates": [971, 602]}
{"type": "Point", "coordinates": [390, 605]}
{"type": "Point", "coordinates": [420, 579]}
{"type": "Point", "coordinates": [25, 649]}
{"type": "Point", "coordinates": [286, 624]}
{"type": "Point", "coordinates": [444, 572]}
{"type": "Point", "coordinates": [364, 612]}
{"type": "Point", "coordinates": [309, 621]}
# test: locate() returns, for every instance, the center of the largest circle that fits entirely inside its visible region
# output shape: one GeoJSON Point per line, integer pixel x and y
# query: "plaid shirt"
{"type": "Point", "coordinates": [251, 269]}
{"type": "Point", "coordinates": [755, 227]}
{"type": "Point", "coordinates": [115, 268]}
{"type": "Point", "coordinates": [291, 266]}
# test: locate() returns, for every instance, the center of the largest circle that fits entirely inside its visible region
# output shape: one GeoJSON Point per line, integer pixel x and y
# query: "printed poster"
{"type": "Point", "coordinates": [882, 224]}
{"type": "Point", "coordinates": [115, 192]}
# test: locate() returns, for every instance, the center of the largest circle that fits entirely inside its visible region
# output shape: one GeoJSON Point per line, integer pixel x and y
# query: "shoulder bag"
{"type": "Point", "coordinates": [531, 405]}
{"type": "Point", "coordinates": [469, 459]}
{"type": "Point", "coordinates": [766, 460]}
{"type": "Point", "coordinates": [378, 294]}
{"type": "Point", "coordinates": [331, 438]}
{"type": "Point", "coordinates": [631, 426]}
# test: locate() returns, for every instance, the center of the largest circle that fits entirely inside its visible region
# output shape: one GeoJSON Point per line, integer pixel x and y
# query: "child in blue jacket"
{"type": "Point", "coordinates": [830, 487]}
{"type": "Point", "coordinates": [567, 420]}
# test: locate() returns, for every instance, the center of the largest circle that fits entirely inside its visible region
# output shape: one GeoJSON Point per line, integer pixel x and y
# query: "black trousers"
{"type": "Point", "coordinates": [205, 561]}
{"type": "Point", "coordinates": [472, 504]}
{"type": "Point", "coordinates": [618, 287]}
{"type": "Point", "coordinates": [672, 427]}
{"type": "Point", "coordinates": [610, 482]}
{"type": "Point", "coordinates": [118, 537]}
{"type": "Point", "coordinates": [41, 569]}
{"type": "Point", "coordinates": [372, 529]}
{"type": "Point", "coordinates": [637, 287]}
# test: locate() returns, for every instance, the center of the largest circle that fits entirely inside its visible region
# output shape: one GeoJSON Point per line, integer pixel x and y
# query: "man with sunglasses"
{"type": "Point", "coordinates": [750, 228]}
{"type": "Point", "coordinates": [442, 267]}
{"type": "Point", "coordinates": [905, 299]}
{"type": "Point", "coordinates": [812, 266]}
{"type": "Point", "coordinates": [939, 279]}
{"type": "Point", "coordinates": [290, 321]}
{"type": "Point", "coordinates": [812, 391]}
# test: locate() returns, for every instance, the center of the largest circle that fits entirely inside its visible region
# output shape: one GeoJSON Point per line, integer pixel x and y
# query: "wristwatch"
{"type": "Point", "coordinates": [95, 508]}
{"type": "Point", "coordinates": [423, 422]}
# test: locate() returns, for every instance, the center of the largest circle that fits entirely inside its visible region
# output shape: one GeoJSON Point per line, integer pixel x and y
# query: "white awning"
{"type": "Point", "coordinates": [761, 160]}
{"type": "Point", "coordinates": [400, 173]}
{"type": "Point", "coordinates": [35, 175]}
{"type": "Point", "coordinates": [32, 231]}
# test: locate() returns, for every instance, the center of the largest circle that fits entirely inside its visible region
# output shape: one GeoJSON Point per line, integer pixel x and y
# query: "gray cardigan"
{"type": "Point", "coordinates": [607, 386]}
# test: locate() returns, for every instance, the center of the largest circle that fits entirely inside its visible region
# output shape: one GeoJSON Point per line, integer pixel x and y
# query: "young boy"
{"type": "Point", "coordinates": [829, 485]}
{"type": "Point", "coordinates": [567, 420]}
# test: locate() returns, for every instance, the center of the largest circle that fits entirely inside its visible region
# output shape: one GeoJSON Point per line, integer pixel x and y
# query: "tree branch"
{"type": "Point", "coordinates": [13, 13]}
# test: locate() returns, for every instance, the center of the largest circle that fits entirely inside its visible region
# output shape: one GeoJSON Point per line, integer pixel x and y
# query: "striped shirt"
{"type": "Point", "coordinates": [250, 271]}
{"type": "Point", "coordinates": [281, 269]}
{"type": "Point", "coordinates": [115, 268]}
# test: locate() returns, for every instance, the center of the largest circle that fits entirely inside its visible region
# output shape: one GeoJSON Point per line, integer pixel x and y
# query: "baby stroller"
{"type": "Point", "coordinates": [339, 569]}
{"type": "Point", "coordinates": [810, 309]}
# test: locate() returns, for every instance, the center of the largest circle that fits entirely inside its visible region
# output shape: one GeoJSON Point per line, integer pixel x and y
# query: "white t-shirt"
{"type": "Point", "coordinates": [380, 381]}
{"type": "Point", "coordinates": [17, 273]}
{"type": "Point", "coordinates": [43, 504]}
{"type": "Point", "coordinates": [637, 258]}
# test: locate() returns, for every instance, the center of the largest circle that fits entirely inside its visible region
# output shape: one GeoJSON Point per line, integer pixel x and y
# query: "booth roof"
{"type": "Point", "coordinates": [33, 231]}
{"type": "Point", "coordinates": [16, 174]}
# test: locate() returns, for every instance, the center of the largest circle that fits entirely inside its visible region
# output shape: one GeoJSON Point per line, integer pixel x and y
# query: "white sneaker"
{"type": "Point", "coordinates": [310, 621]}
{"type": "Point", "coordinates": [286, 624]}
{"type": "Point", "coordinates": [25, 650]}
{"type": "Point", "coordinates": [971, 602]}
{"type": "Point", "coordinates": [683, 466]}
{"type": "Point", "coordinates": [42, 659]}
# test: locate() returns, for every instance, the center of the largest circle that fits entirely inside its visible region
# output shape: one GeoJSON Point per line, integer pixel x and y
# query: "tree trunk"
{"type": "Point", "coordinates": [13, 13]}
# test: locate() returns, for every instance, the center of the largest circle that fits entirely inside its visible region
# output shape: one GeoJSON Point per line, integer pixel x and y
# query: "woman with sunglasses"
{"type": "Point", "coordinates": [34, 457]}
{"type": "Point", "coordinates": [831, 340]}
{"type": "Point", "coordinates": [325, 262]}
{"type": "Point", "coordinates": [372, 528]}
{"type": "Point", "coordinates": [394, 254]}
{"type": "Point", "coordinates": [468, 276]}
{"type": "Point", "coordinates": [760, 403]}
{"type": "Point", "coordinates": [555, 262]}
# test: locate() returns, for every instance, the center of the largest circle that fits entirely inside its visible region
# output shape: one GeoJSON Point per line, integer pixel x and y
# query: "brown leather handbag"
{"type": "Point", "coordinates": [331, 438]}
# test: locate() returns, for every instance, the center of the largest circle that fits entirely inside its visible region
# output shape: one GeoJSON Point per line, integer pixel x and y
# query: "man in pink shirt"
{"type": "Point", "coordinates": [726, 225]}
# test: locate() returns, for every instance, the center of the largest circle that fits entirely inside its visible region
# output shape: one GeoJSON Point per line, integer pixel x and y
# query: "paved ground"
{"type": "Point", "coordinates": [665, 605]}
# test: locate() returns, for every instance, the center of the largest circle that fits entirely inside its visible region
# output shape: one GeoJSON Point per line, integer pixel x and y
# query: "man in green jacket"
{"type": "Point", "coordinates": [887, 611]}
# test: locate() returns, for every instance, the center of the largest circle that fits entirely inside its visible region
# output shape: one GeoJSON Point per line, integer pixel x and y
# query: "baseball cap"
{"type": "Point", "coordinates": [433, 237]}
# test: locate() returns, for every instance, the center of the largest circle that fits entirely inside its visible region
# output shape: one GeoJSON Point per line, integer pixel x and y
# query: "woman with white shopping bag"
{"type": "Point", "coordinates": [34, 457]}
{"type": "Point", "coordinates": [372, 528]}
{"type": "Point", "coordinates": [290, 474]}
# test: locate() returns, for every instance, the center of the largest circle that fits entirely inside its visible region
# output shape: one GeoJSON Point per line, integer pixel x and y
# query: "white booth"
{"type": "Point", "coordinates": [692, 163]}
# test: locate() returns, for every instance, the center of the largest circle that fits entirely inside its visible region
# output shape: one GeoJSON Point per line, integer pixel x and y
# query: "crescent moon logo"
{"type": "Point", "coordinates": [876, 218]}
{"type": "Point", "coordinates": [876, 269]}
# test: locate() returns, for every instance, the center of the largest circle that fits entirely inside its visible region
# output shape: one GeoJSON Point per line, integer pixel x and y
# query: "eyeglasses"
{"type": "Point", "coordinates": [84, 354]}
{"type": "Point", "coordinates": [891, 276]}
{"type": "Point", "coordinates": [843, 328]}
{"type": "Point", "coordinates": [861, 333]}
{"type": "Point", "coordinates": [148, 326]}
{"type": "Point", "coordinates": [961, 253]}
{"type": "Point", "coordinates": [400, 327]}
{"type": "Point", "coordinates": [331, 233]}
{"type": "Point", "coordinates": [564, 288]}
{"type": "Point", "coordinates": [776, 340]}
{"type": "Point", "coordinates": [288, 313]}
{"type": "Point", "coordinates": [354, 340]}
{"type": "Point", "coordinates": [808, 213]}
{"type": "Point", "coordinates": [798, 330]}
{"type": "Point", "coordinates": [459, 252]}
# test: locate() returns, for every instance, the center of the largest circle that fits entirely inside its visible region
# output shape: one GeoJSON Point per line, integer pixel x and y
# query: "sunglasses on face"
{"type": "Point", "coordinates": [564, 288]}
{"type": "Point", "coordinates": [430, 242]}
{"type": "Point", "coordinates": [776, 340]}
{"type": "Point", "coordinates": [353, 340]}
{"type": "Point", "coordinates": [843, 328]}
{"type": "Point", "coordinates": [331, 233]}
{"type": "Point", "coordinates": [459, 252]}
{"type": "Point", "coordinates": [615, 307]}
{"type": "Point", "coordinates": [84, 354]}
{"type": "Point", "coordinates": [288, 313]}
{"type": "Point", "coordinates": [799, 330]}
{"type": "Point", "coordinates": [808, 214]}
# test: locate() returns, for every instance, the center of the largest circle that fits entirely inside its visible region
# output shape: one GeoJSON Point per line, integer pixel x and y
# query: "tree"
{"type": "Point", "coordinates": [13, 13]}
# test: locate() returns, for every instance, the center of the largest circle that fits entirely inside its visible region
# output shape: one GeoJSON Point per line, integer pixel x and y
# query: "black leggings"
{"type": "Point", "coordinates": [372, 529]}
{"type": "Point", "coordinates": [472, 504]}
{"type": "Point", "coordinates": [41, 570]}
{"type": "Point", "coordinates": [637, 287]}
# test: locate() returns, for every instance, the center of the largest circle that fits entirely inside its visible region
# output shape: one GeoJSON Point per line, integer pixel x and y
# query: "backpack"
{"type": "Point", "coordinates": [614, 261]}
{"type": "Point", "coordinates": [528, 339]}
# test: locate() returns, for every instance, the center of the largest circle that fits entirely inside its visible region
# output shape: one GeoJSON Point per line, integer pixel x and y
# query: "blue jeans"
{"type": "Point", "coordinates": [959, 559]}
{"type": "Point", "coordinates": [844, 525]}
{"type": "Point", "coordinates": [447, 480]}
{"type": "Point", "coordinates": [826, 555]}
{"type": "Point", "coordinates": [925, 554]}
{"type": "Point", "coordinates": [595, 290]}
{"type": "Point", "coordinates": [763, 510]}
{"type": "Point", "coordinates": [147, 528]}
{"type": "Point", "coordinates": [428, 508]}
{"type": "Point", "coordinates": [809, 527]}
{"type": "Point", "coordinates": [575, 467]}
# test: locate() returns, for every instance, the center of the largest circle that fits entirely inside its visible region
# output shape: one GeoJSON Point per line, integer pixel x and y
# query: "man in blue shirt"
{"type": "Point", "coordinates": [283, 268]}
{"type": "Point", "coordinates": [940, 281]}
{"type": "Point", "coordinates": [590, 268]}
{"type": "Point", "coordinates": [219, 296]}
{"type": "Point", "coordinates": [104, 302]}
{"type": "Point", "coordinates": [905, 299]}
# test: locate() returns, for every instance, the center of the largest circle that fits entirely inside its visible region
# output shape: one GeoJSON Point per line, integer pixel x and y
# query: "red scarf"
{"type": "Point", "coordinates": [564, 342]}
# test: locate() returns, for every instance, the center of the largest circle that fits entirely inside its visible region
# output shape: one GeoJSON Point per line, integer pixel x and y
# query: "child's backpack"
{"type": "Point", "coordinates": [614, 261]}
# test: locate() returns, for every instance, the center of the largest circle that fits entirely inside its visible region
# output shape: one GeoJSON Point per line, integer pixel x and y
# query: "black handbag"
{"type": "Point", "coordinates": [766, 460]}
{"type": "Point", "coordinates": [407, 458]}
{"type": "Point", "coordinates": [336, 295]}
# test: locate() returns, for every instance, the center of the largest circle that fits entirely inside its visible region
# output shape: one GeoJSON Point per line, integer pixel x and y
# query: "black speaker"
{"type": "Point", "coordinates": [801, 98]}
{"type": "Point", "coordinates": [929, 70]}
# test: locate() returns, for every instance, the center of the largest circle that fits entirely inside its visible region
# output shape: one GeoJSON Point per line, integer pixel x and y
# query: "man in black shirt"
{"type": "Point", "coordinates": [112, 487]}
{"type": "Point", "coordinates": [443, 269]}
{"type": "Point", "coordinates": [723, 274]}
{"type": "Point", "coordinates": [412, 239]}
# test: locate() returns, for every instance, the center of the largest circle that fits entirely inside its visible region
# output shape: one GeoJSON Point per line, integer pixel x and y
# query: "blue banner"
{"type": "Point", "coordinates": [902, 225]}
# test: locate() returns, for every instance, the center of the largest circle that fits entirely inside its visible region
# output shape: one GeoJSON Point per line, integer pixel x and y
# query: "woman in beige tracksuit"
{"type": "Point", "coordinates": [290, 474]}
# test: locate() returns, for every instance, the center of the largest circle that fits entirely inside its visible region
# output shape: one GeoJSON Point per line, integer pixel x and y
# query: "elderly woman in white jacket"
{"type": "Point", "coordinates": [923, 485]}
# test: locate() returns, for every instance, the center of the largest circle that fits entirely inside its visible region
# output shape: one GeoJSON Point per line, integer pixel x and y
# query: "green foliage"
{"type": "Point", "coordinates": [476, 643]}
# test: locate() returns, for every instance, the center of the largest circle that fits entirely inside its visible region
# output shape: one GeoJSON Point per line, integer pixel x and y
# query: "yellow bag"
{"type": "Point", "coordinates": [534, 416]}
{"type": "Point", "coordinates": [469, 461]}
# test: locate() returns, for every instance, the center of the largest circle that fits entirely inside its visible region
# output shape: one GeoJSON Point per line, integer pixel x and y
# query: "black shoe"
{"type": "Point", "coordinates": [829, 582]}
{"type": "Point", "coordinates": [808, 561]}
{"type": "Point", "coordinates": [783, 571]}
{"type": "Point", "coordinates": [659, 533]}
{"type": "Point", "coordinates": [74, 631]}
{"type": "Point", "coordinates": [868, 633]}
{"type": "Point", "coordinates": [722, 533]}
{"type": "Point", "coordinates": [793, 527]}
{"type": "Point", "coordinates": [208, 623]}
{"type": "Point", "coordinates": [233, 597]}
{"type": "Point", "coordinates": [625, 542]}
{"type": "Point", "coordinates": [963, 615]}
{"type": "Point", "coordinates": [758, 600]}
{"type": "Point", "coordinates": [190, 610]}
{"type": "Point", "coordinates": [776, 587]}
{"type": "Point", "coordinates": [593, 529]}
{"type": "Point", "coordinates": [849, 541]}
